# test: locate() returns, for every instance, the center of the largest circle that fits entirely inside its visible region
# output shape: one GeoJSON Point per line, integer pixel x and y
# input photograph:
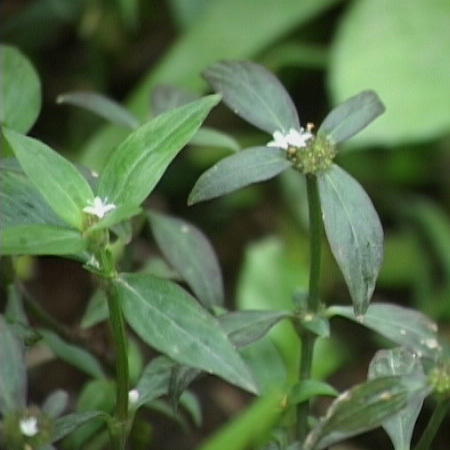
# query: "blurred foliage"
{"type": "Point", "coordinates": [324, 52]}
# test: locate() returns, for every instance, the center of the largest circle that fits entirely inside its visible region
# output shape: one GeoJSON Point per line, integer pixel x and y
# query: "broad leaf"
{"type": "Point", "coordinates": [352, 116]}
{"type": "Point", "coordinates": [67, 424]}
{"type": "Point", "coordinates": [13, 377]}
{"type": "Point", "coordinates": [59, 182]}
{"type": "Point", "coordinates": [102, 106]}
{"type": "Point", "coordinates": [254, 94]}
{"type": "Point", "coordinates": [41, 240]}
{"type": "Point", "coordinates": [239, 170]}
{"type": "Point", "coordinates": [192, 256]}
{"type": "Point", "coordinates": [138, 163]}
{"type": "Point", "coordinates": [406, 327]}
{"type": "Point", "coordinates": [245, 327]}
{"type": "Point", "coordinates": [354, 232]}
{"type": "Point", "coordinates": [387, 55]}
{"type": "Point", "coordinates": [399, 361]}
{"type": "Point", "coordinates": [72, 354]}
{"type": "Point", "coordinates": [170, 320]}
{"type": "Point", "coordinates": [20, 90]}
{"type": "Point", "coordinates": [364, 407]}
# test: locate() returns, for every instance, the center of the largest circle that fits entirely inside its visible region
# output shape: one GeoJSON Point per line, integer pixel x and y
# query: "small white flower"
{"type": "Point", "coordinates": [98, 207]}
{"type": "Point", "coordinates": [133, 396]}
{"type": "Point", "coordinates": [293, 138]}
{"type": "Point", "coordinates": [29, 426]}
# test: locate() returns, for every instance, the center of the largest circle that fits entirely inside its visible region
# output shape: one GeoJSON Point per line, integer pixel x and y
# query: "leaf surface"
{"type": "Point", "coordinates": [138, 163]}
{"type": "Point", "coordinates": [354, 232]}
{"type": "Point", "coordinates": [237, 171]}
{"type": "Point", "coordinates": [255, 94]}
{"type": "Point", "coordinates": [170, 320]}
{"type": "Point", "coordinates": [60, 183]}
{"type": "Point", "coordinates": [190, 253]}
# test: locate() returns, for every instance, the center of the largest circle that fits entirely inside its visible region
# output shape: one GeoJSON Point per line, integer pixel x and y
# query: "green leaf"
{"type": "Point", "coordinates": [138, 163]}
{"type": "Point", "coordinates": [307, 389]}
{"type": "Point", "coordinates": [69, 423]}
{"type": "Point", "coordinates": [22, 203]}
{"type": "Point", "coordinates": [399, 361]}
{"type": "Point", "coordinates": [20, 89]}
{"type": "Point", "coordinates": [13, 377]}
{"type": "Point", "coordinates": [180, 378]}
{"type": "Point", "coordinates": [96, 310]}
{"type": "Point", "coordinates": [102, 106]}
{"type": "Point", "coordinates": [59, 182]}
{"type": "Point", "coordinates": [154, 380]}
{"type": "Point", "coordinates": [55, 404]}
{"type": "Point", "coordinates": [400, 55]}
{"type": "Point", "coordinates": [209, 137]}
{"type": "Point", "coordinates": [189, 252]}
{"type": "Point", "coordinates": [255, 94]}
{"type": "Point", "coordinates": [363, 408]}
{"type": "Point", "coordinates": [239, 170]}
{"type": "Point", "coordinates": [246, 327]}
{"type": "Point", "coordinates": [352, 116]}
{"type": "Point", "coordinates": [72, 354]}
{"type": "Point", "coordinates": [246, 430]}
{"type": "Point", "coordinates": [170, 320]}
{"type": "Point", "coordinates": [354, 232]}
{"type": "Point", "coordinates": [41, 240]}
{"type": "Point", "coordinates": [406, 327]}
{"type": "Point", "coordinates": [270, 21]}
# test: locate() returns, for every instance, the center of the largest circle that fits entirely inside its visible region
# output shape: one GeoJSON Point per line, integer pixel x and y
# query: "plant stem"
{"type": "Point", "coordinates": [307, 337]}
{"type": "Point", "coordinates": [433, 425]}
{"type": "Point", "coordinates": [120, 430]}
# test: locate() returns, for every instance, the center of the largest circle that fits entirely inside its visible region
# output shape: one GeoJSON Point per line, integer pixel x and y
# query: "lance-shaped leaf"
{"type": "Point", "coordinates": [167, 318]}
{"type": "Point", "coordinates": [245, 327]}
{"type": "Point", "coordinates": [406, 327]}
{"type": "Point", "coordinates": [41, 240]}
{"type": "Point", "coordinates": [399, 361]}
{"type": "Point", "coordinates": [254, 94]}
{"type": "Point", "coordinates": [352, 116]}
{"type": "Point", "coordinates": [13, 377]}
{"type": "Point", "coordinates": [67, 424]}
{"type": "Point", "coordinates": [138, 163]}
{"type": "Point", "coordinates": [154, 380]}
{"type": "Point", "coordinates": [72, 354]}
{"type": "Point", "coordinates": [21, 202]}
{"type": "Point", "coordinates": [364, 407]}
{"type": "Point", "coordinates": [60, 183]}
{"type": "Point", "coordinates": [102, 106]}
{"type": "Point", "coordinates": [190, 253]}
{"type": "Point", "coordinates": [354, 232]}
{"type": "Point", "coordinates": [21, 90]}
{"type": "Point", "coordinates": [237, 171]}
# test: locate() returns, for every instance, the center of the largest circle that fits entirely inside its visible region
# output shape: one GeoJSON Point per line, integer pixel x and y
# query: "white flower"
{"type": "Point", "coordinates": [98, 207]}
{"type": "Point", "coordinates": [133, 396]}
{"type": "Point", "coordinates": [293, 138]}
{"type": "Point", "coordinates": [28, 426]}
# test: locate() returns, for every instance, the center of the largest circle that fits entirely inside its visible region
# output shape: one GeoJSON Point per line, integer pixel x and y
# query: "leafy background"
{"type": "Point", "coordinates": [324, 52]}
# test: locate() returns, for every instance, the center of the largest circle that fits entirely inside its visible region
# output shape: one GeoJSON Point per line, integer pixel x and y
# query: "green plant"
{"type": "Point", "coordinates": [53, 207]}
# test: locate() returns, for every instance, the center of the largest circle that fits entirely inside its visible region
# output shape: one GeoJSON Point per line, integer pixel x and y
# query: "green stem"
{"type": "Point", "coordinates": [433, 425]}
{"type": "Point", "coordinates": [122, 376]}
{"type": "Point", "coordinates": [307, 337]}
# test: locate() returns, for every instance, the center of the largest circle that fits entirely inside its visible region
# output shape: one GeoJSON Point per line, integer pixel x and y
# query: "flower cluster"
{"type": "Point", "coordinates": [99, 207]}
{"type": "Point", "coordinates": [293, 138]}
